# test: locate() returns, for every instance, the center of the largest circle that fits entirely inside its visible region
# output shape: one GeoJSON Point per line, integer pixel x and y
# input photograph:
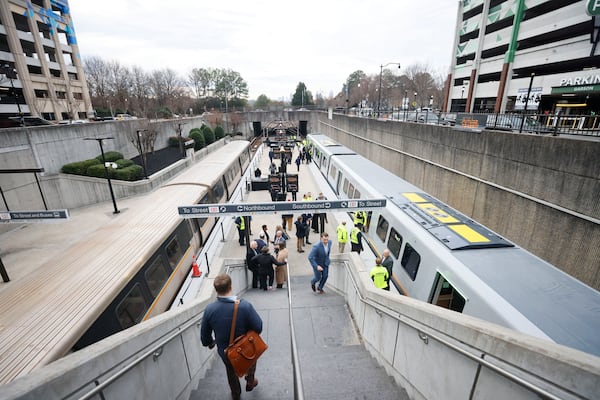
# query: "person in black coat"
{"type": "Point", "coordinates": [265, 262]}
{"type": "Point", "coordinates": [250, 264]}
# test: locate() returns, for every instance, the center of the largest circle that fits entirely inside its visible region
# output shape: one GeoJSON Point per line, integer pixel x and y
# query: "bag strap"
{"type": "Point", "coordinates": [235, 310]}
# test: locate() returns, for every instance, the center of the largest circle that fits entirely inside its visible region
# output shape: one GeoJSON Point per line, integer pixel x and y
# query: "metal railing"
{"type": "Point", "coordinates": [298, 389]}
{"type": "Point", "coordinates": [425, 335]}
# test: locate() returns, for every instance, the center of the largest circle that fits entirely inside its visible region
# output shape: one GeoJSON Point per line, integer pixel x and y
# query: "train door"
{"type": "Point", "coordinates": [338, 184]}
{"type": "Point", "coordinates": [445, 295]}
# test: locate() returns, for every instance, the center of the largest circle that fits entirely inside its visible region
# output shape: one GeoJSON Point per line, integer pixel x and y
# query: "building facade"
{"type": "Point", "coordinates": [41, 72]}
{"type": "Point", "coordinates": [538, 55]}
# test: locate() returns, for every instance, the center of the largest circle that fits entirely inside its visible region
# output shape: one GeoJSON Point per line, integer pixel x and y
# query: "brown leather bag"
{"type": "Point", "coordinates": [244, 350]}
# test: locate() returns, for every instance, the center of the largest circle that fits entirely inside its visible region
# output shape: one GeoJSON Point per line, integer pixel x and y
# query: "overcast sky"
{"type": "Point", "coordinates": [272, 44]}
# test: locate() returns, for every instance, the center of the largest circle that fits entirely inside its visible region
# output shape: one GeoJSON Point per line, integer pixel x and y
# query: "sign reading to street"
{"type": "Point", "coordinates": [33, 216]}
{"type": "Point", "coordinates": [219, 210]}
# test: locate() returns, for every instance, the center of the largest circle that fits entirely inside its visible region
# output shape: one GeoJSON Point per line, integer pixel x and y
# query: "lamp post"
{"type": "Point", "coordinates": [142, 153]}
{"type": "Point", "coordinates": [11, 74]}
{"type": "Point", "coordinates": [405, 104]}
{"type": "Point", "coordinates": [526, 102]}
{"type": "Point", "coordinates": [380, 75]}
{"type": "Point", "coordinates": [112, 194]}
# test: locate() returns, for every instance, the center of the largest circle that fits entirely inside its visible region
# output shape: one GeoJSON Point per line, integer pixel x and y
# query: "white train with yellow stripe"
{"type": "Point", "coordinates": [124, 272]}
{"type": "Point", "coordinates": [445, 258]}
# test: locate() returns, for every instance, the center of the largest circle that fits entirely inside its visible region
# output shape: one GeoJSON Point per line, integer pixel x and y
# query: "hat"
{"type": "Point", "coordinates": [262, 236]}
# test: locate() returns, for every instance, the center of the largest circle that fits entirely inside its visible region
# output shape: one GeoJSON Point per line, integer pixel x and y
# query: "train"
{"type": "Point", "coordinates": [447, 259]}
{"type": "Point", "coordinates": [126, 271]}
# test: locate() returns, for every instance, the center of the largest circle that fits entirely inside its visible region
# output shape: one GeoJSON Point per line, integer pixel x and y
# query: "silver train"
{"type": "Point", "coordinates": [124, 272]}
{"type": "Point", "coordinates": [445, 258]}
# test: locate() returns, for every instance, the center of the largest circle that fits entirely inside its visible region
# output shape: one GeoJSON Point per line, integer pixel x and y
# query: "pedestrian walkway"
{"type": "Point", "coordinates": [334, 363]}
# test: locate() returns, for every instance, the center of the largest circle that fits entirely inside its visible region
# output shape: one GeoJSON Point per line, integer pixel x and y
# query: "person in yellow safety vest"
{"type": "Point", "coordinates": [379, 275]}
{"type": "Point", "coordinates": [355, 238]}
{"type": "Point", "coordinates": [360, 217]}
{"type": "Point", "coordinates": [240, 224]}
{"type": "Point", "coordinates": [342, 235]}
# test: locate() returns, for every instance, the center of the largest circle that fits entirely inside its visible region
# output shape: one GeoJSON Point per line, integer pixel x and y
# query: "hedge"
{"type": "Point", "coordinates": [219, 133]}
{"type": "Point", "coordinates": [209, 135]}
{"type": "Point", "coordinates": [124, 163]}
{"type": "Point", "coordinates": [110, 156]}
{"type": "Point", "coordinates": [97, 170]}
{"type": "Point", "coordinates": [131, 173]}
{"type": "Point", "coordinates": [198, 137]}
{"type": "Point", "coordinates": [79, 167]}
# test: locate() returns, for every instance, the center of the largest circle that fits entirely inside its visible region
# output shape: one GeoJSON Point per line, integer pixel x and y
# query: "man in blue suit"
{"type": "Point", "coordinates": [319, 259]}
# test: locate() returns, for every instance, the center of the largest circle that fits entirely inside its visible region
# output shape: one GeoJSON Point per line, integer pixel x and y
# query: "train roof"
{"type": "Point", "coordinates": [565, 309]}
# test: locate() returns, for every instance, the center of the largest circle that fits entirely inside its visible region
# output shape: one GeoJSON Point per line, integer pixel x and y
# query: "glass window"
{"type": "Point", "coordinates": [356, 194]}
{"type": "Point", "coordinates": [395, 243]}
{"type": "Point", "coordinates": [410, 261]}
{"type": "Point", "coordinates": [156, 276]}
{"type": "Point", "coordinates": [132, 309]}
{"type": "Point", "coordinates": [345, 186]}
{"type": "Point", "coordinates": [351, 191]}
{"type": "Point", "coordinates": [382, 228]}
{"type": "Point", "coordinates": [332, 172]}
{"type": "Point", "coordinates": [444, 295]}
{"type": "Point", "coordinates": [218, 191]}
{"type": "Point", "coordinates": [174, 252]}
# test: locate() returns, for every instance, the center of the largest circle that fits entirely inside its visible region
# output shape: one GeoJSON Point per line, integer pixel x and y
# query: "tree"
{"type": "Point", "coordinates": [302, 97]}
{"type": "Point", "coordinates": [262, 102]}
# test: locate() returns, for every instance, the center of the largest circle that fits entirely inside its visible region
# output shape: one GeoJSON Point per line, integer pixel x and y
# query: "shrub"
{"type": "Point", "coordinates": [123, 163]}
{"type": "Point", "coordinates": [97, 170]}
{"type": "Point", "coordinates": [209, 135]}
{"type": "Point", "coordinates": [198, 137]}
{"type": "Point", "coordinates": [173, 141]}
{"type": "Point", "coordinates": [219, 132]}
{"type": "Point", "coordinates": [130, 173]}
{"type": "Point", "coordinates": [79, 167]}
{"type": "Point", "coordinates": [111, 156]}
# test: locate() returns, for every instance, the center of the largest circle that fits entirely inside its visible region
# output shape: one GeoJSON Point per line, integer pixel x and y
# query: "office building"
{"type": "Point", "coordinates": [41, 72]}
{"type": "Point", "coordinates": [512, 54]}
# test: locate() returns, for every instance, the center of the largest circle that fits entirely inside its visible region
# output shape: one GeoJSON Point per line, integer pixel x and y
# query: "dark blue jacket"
{"type": "Point", "coordinates": [318, 256]}
{"type": "Point", "coordinates": [217, 318]}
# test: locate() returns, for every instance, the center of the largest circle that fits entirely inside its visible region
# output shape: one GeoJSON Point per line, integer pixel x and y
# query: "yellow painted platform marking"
{"type": "Point", "coordinates": [469, 234]}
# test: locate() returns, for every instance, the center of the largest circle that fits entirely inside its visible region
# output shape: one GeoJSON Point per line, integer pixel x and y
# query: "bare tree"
{"type": "Point", "coordinates": [140, 91]}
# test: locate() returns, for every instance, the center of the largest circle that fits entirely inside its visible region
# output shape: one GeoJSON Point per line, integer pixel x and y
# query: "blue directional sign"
{"type": "Point", "coordinates": [33, 216]}
{"type": "Point", "coordinates": [219, 210]}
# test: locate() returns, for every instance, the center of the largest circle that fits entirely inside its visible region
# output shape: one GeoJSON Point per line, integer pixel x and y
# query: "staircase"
{"type": "Point", "coordinates": [334, 363]}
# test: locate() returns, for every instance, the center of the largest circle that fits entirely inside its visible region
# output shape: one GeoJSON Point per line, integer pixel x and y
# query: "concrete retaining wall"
{"type": "Point", "coordinates": [540, 192]}
{"type": "Point", "coordinates": [413, 340]}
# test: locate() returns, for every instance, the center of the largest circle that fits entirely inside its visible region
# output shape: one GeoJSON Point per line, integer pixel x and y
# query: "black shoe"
{"type": "Point", "coordinates": [312, 285]}
{"type": "Point", "coordinates": [321, 291]}
{"type": "Point", "coordinates": [308, 243]}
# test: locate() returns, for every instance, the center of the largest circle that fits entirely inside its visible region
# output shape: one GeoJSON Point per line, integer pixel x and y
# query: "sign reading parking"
{"type": "Point", "coordinates": [33, 216]}
{"type": "Point", "coordinates": [219, 210]}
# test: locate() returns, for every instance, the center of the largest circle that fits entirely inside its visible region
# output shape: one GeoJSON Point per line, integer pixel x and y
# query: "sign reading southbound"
{"type": "Point", "coordinates": [33, 216]}
{"type": "Point", "coordinates": [219, 210]}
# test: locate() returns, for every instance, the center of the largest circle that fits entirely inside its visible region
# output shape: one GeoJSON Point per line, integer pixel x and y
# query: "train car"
{"type": "Point", "coordinates": [124, 272]}
{"type": "Point", "coordinates": [445, 258]}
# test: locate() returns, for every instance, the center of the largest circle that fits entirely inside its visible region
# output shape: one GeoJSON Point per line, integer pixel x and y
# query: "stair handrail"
{"type": "Point", "coordinates": [298, 388]}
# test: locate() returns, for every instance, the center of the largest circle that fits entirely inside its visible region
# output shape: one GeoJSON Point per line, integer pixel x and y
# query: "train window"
{"type": "Point", "coordinates": [218, 191]}
{"type": "Point", "coordinates": [410, 261]}
{"type": "Point", "coordinates": [345, 187]}
{"type": "Point", "coordinates": [133, 307]}
{"type": "Point", "coordinates": [382, 228]}
{"type": "Point", "coordinates": [332, 172]}
{"type": "Point", "coordinates": [156, 276]}
{"type": "Point", "coordinates": [351, 191]}
{"type": "Point", "coordinates": [394, 243]}
{"type": "Point", "coordinates": [356, 194]}
{"type": "Point", "coordinates": [445, 295]}
{"type": "Point", "coordinates": [174, 252]}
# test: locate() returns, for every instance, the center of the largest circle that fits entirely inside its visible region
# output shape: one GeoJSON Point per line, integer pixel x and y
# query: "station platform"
{"type": "Point", "coordinates": [333, 361]}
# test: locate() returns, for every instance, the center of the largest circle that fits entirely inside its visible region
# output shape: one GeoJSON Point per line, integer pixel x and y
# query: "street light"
{"type": "Point", "coordinates": [142, 154]}
{"type": "Point", "coordinates": [112, 194]}
{"type": "Point", "coordinates": [11, 74]}
{"type": "Point", "coordinates": [380, 74]}
{"type": "Point", "coordinates": [405, 104]}
{"type": "Point", "coordinates": [526, 102]}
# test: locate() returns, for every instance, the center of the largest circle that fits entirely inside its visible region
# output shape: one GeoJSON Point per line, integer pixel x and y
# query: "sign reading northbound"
{"type": "Point", "coordinates": [33, 216]}
{"type": "Point", "coordinates": [219, 210]}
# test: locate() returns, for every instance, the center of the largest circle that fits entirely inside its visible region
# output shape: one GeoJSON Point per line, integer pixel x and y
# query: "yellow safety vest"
{"type": "Point", "coordinates": [379, 275]}
{"type": "Point", "coordinates": [354, 235]}
{"type": "Point", "coordinates": [342, 234]}
{"type": "Point", "coordinates": [359, 218]}
{"type": "Point", "coordinates": [242, 225]}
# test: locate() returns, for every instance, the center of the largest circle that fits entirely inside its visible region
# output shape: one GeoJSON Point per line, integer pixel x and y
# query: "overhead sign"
{"type": "Point", "coordinates": [593, 7]}
{"type": "Point", "coordinates": [219, 210]}
{"type": "Point", "coordinates": [535, 94]}
{"type": "Point", "coordinates": [33, 216]}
